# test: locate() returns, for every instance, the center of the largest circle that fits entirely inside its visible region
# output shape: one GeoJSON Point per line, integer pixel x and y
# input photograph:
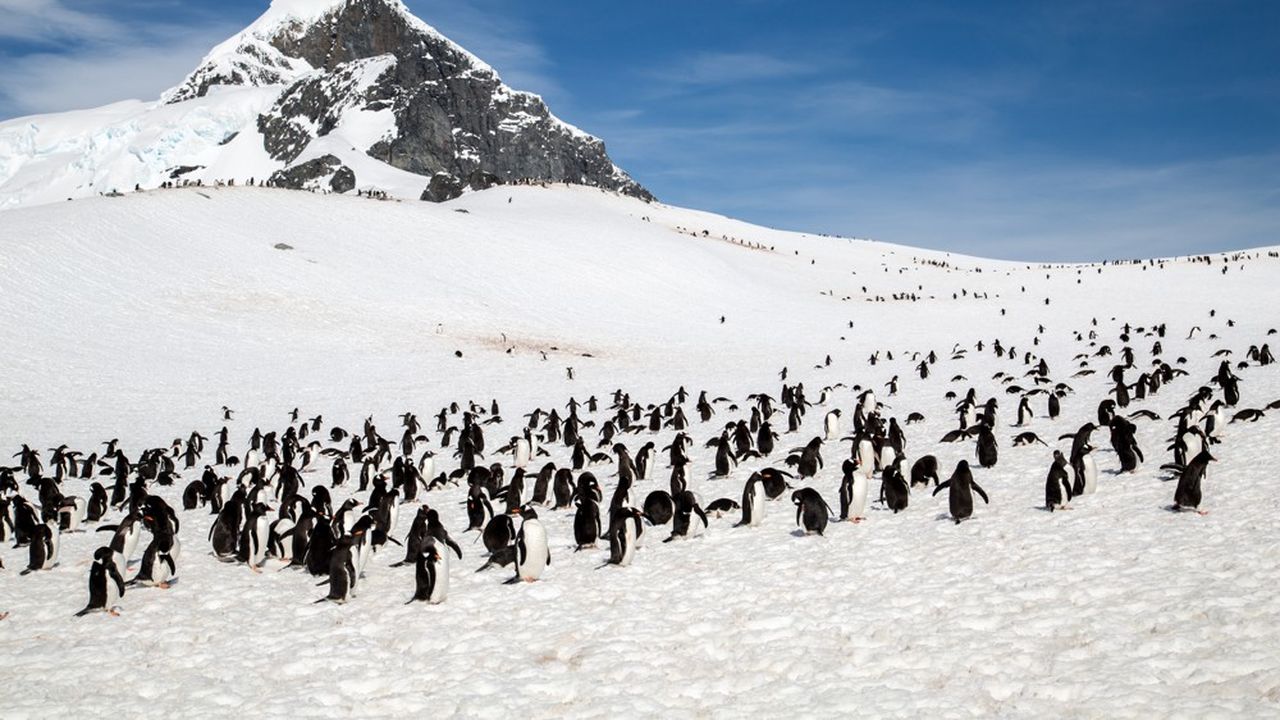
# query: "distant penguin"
{"type": "Point", "coordinates": [689, 519]}
{"type": "Point", "coordinates": [988, 451]}
{"type": "Point", "coordinates": [924, 470]}
{"type": "Point", "coordinates": [106, 586]}
{"type": "Point", "coordinates": [1086, 472]}
{"type": "Point", "coordinates": [753, 500]}
{"type": "Point", "coordinates": [1058, 489]}
{"type": "Point", "coordinates": [431, 574]}
{"type": "Point", "coordinates": [586, 522]}
{"type": "Point", "coordinates": [853, 493]}
{"type": "Point", "coordinates": [658, 507]}
{"type": "Point", "coordinates": [533, 554]}
{"type": "Point", "coordinates": [812, 512]}
{"type": "Point", "coordinates": [894, 491]}
{"type": "Point", "coordinates": [1190, 478]}
{"type": "Point", "coordinates": [43, 550]}
{"type": "Point", "coordinates": [831, 424]}
{"type": "Point", "coordinates": [961, 488]}
{"type": "Point", "coordinates": [342, 573]}
{"type": "Point", "coordinates": [624, 531]}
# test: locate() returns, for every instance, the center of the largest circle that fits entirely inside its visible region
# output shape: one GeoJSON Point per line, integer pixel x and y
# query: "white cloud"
{"type": "Point", "coordinates": [51, 20]}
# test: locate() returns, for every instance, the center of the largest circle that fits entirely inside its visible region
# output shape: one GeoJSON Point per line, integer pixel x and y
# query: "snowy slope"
{"type": "Point", "coordinates": [138, 317]}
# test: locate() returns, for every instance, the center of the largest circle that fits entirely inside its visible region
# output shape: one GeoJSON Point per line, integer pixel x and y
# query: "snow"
{"type": "Point", "coordinates": [138, 317]}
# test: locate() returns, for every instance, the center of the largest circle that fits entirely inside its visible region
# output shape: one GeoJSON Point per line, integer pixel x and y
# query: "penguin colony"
{"type": "Point", "coordinates": [272, 496]}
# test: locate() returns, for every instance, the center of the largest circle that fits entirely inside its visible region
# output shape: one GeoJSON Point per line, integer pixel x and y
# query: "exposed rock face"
{"type": "Point", "coordinates": [312, 175]}
{"type": "Point", "coordinates": [421, 103]}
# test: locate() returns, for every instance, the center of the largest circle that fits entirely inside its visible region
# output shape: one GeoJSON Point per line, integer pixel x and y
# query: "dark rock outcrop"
{"type": "Point", "coordinates": [311, 175]}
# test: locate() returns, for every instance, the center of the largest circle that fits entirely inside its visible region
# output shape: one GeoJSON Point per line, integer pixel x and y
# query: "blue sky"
{"type": "Point", "coordinates": [1057, 130]}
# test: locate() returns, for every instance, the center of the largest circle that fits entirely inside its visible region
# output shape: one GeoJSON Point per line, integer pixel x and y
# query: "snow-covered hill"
{"type": "Point", "coordinates": [341, 95]}
{"type": "Point", "coordinates": [138, 317]}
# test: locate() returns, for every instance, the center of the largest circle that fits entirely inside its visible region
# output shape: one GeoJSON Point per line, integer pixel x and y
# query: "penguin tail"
{"type": "Point", "coordinates": [84, 612]}
{"type": "Point", "coordinates": [512, 581]}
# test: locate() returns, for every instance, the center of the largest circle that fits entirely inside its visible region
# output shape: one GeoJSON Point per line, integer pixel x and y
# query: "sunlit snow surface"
{"type": "Point", "coordinates": [137, 318]}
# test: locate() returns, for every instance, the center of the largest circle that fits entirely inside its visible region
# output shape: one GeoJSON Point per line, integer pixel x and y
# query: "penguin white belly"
{"type": "Point", "coordinates": [858, 502]}
{"type": "Point", "coordinates": [535, 556]}
{"type": "Point", "coordinates": [261, 532]}
{"type": "Point", "coordinates": [866, 458]}
{"type": "Point", "coordinates": [628, 552]}
{"type": "Point", "coordinates": [160, 573]}
{"type": "Point", "coordinates": [887, 455]}
{"type": "Point", "coordinates": [113, 592]}
{"type": "Point", "coordinates": [832, 426]}
{"type": "Point", "coordinates": [55, 540]}
{"type": "Point", "coordinates": [440, 592]}
{"type": "Point", "coordinates": [175, 551]}
{"type": "Point", "coordinates": [757, 507]}
{"type": "Point", "coordinates": [131, 542]}
{"type": "Point", "coordinates": [522, 453]}
{"type": "Point", "coordinates": [1090, 474]}
{"type": "Point", "coordinates": [428, 468]}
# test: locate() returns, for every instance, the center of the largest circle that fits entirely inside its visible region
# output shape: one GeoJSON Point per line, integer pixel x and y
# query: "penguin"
{"type": "Point", "coordinates": [533, 555]}
{"type": "Point", "coordinates": [125, 540]}
{"type": "Point", "coordinates": [853, 492]}
{"type": "Point", "coordinates": [255, 537]}
{"type": "Point", "coordinates": [97, 508]}
{"type": "Point", "coordinates": [499, 533]}
{"type": "Point", "coordinates": [320, 548]}
{"type": "Point", "coordinates": [71, 513]}
{"type": "Point", "coordinates": [831, 424]}
{"type": "Point", "coordinates": [431, 575]}
{"type": "Point", "coordinates": [689, 519]}
{"type": "Point", "coordinates": [894, 491]}
{"type": "Point", "coordinates": [586, 522]}
{"type": "Point", "coordinates": [987, 451]}
{"type": "Point", "coordinates": [752, 501]}
{"type": "Point", "coordinates": [1190, 477]}
{"type": "Point", "coordinates": [924, 470]}
{"type": "Point", "coordinates": [720, 506]}
{"type": "Point", "coordinates": [658, 507]}
{"type": "Point", "coordinates": [812, 512]}
{"type": "Point", "coordinates": [961, 487]}
{"type": "Point", "coordinates": [342, 573]}
{"type": "Point", "coordinates": [1086, 472]}
{"type": "Point", "coordinates": [1058, 489]}
{"type": "Point", "coordinates": [1024, 411]}
{"type": "Point", "coordinates": [43, 550]}
{"type": "Point", "coordinates": [774, 483]}
{"type": "Point", "coordinates": [624, 531]}
{"type": "Point", "coordinates": [106, 586]}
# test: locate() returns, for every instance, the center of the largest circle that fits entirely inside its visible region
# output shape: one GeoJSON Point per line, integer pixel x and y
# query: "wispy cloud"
{"type": "Point", "coordinates": [727, 68]}
{"type": "Point", "coordinates": [44, 21]}
{"type": "Point", "coordinates": [84, 59]}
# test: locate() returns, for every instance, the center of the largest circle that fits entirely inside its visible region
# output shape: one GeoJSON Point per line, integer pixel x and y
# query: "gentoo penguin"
{"type": "Point", "coordinates": [1057, 487]}
{"type": "Point", "coordinates": [342, 573]}
{"type": "Point", "coordinates": [961, 487]}
{"type": "Point", "coordinates": [125, 540]}
{"type": "Point", "coordinates": [753, 500]}
{"type": "Point", "coordinates": [689, 519]}
{"type": "Point", "coordinates": [97, 503]}
{"type": "Point", "coordinates": [533, 554]}
{"type": "Point", "coordinates": [431, 574]}
{"type": "Point", "coordinates": [1086, 472]}
{"type": "Point", "coordinates": [1188, 494]}
{"type": "Point", "coordinates": [812, 512]}
{"type": "Point", "coordinates": [894, 491]}
{"type": "Point", "coordinates": [988, 450]}
{"type": "Point", "coordinates": [43, 550]}
{"type": "Point", "coordinates": [831, 424]}
{"type": "Point", "coordinates": [71, 513]}
{"type": "Point", "coordinates": [624, 530]}
{"type": "Point", "coordinates": [106, 586]}
{"type": "Point", "coordinates": [924, 470]}
{"type": "Point", "coordinates": [720, 506]}
{"type": "Point", "coordinates": [658, 507]}
{"type": "Point", "coordinates": [586, 521]}
{"type": "Point", "coordinates": [853, 492]}
{"type": "Point", "coordinates": [255, 537]}
{"type": "Point", "coordinates": [1024, 411]}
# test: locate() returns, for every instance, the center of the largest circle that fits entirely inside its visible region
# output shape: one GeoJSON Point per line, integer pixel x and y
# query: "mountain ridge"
{"type": "Point", "coordinates": [333, 95]}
